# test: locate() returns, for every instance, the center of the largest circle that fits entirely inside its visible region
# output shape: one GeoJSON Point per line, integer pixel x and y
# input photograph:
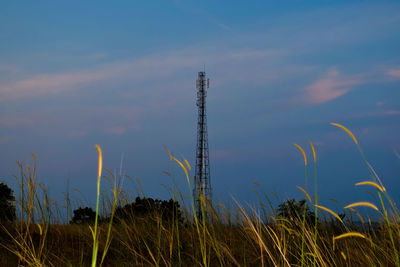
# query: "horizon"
{"type": "Point", "coordinates": [123, 76]}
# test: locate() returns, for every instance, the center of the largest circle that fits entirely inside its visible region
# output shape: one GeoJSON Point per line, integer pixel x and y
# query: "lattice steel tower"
{"type": "Point", "coordinates": [202, 184]}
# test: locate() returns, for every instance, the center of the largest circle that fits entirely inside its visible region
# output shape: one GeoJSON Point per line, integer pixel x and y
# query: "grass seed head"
{"type": "Point", "coordinates": [346, 130]}
{"type": "Point", "coordinates": [302, 151]}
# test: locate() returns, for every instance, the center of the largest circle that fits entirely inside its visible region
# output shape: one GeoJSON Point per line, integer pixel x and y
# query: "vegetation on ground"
{"type": "Point", "coordinates": [126, 231]}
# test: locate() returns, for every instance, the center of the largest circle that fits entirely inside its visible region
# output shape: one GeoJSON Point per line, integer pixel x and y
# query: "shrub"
{"type": "Point", "coordinates": [7, 208]}
{"type": "Point", "coordinates": [84, 216]}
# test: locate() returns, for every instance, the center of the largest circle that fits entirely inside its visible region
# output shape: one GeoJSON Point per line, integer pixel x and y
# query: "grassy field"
{"type": "Point", "coordinates": [297, 235]}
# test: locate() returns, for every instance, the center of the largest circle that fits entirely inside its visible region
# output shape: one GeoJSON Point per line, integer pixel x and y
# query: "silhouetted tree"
{"type": "Point", "coordinates": [144, 207]}
{"type": "Point", "coordinates": [293, 210]}
{"type": "Point", "coordinates": [83, 216]}
{"type": "Point", "coordinates": [7, 208]}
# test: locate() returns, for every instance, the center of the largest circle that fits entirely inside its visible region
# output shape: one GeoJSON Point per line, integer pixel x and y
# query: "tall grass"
{"type": "Point", "coordinates": [239, 236]}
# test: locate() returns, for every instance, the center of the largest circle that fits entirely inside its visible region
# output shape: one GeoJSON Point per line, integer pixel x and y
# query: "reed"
{"type": "Point", "coordinates": [239, 235]}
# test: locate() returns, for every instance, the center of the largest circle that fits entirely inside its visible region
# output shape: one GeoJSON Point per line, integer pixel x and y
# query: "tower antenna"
{"type": "Point", "coordinates": [202, 191]}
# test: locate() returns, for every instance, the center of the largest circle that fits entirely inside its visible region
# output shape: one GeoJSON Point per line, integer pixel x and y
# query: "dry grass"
{"type": "Point", "coordinates": [237, 237]}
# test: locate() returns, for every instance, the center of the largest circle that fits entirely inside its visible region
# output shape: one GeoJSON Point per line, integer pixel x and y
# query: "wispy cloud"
{"type": "Point", "coordinates": [395, 73]}
{"type": "Point", "coordinates": [7, 68]}
{"type": "Point", "coordinates": [334, 84]}
{"type": "Point", "coordinates": [45, 84]}
{"type": "Point", "coordinates": [116, 130]}
{"type": "Point", "coordinates": [6, 139]}
{"type": "Point", "coordinates": [392, 112]}
{"type": "Point", "coordinates": [14, 121]}
{"type": "Point", "coordinates": [237, 65]}
{"type": "Point", "coordinates": [49, 84]}
{"type": "Point", "coordinates": [375, 114]}
{"type": "Point", "coordinates": [77, 122]}
{"type": "Point", "coordinates": [331, 86]}
{"type": "Point", "coordinates": [115, 98]}
{"type": "Point", "coordinates": [226, 155]}
{"type": "Point", "coordinates": [221, 154]}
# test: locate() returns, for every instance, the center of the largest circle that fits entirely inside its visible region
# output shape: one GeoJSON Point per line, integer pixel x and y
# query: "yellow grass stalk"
{"type": "Point", "coordinates": [221, 205]}
{"type": "Point", "coordinates": [358, 214]}
{"type": "Point", "coordinates": [184, 169]}
{"type": "Point", "coordinates": [187, 164]}
{"type": "Point", "coordinates": [290, 231]}
{"type": "Point", "coordinates": [275, 195]}
{"type": "Point", "coordinates": [315, 196]}
{"type": "Point", "coordinates": [40, 229]}
{"type": "Point", "coordinates": [257, 235]}
{"type": "Point", "coordinates": [381, 188]}
{"type": "Point", "coordinates": [203, 248]}
{"type": "Point", "coordinates": [357, 204]}
{"type": "Point", "coordinates": [330, 211]}
{"type": "Point", "coordinates": [100, 162]}
{"type": "Point", "coordinates": [349, 234]}
{"type": "Point", "coordinates": [277, 243]}
{"type": "Point", "coordinates": [94, 233]}
{"type": "Point", "coordinates": [305, 192]}
{"type": "Point", "coordinates": [281, 219]}
{"type": "Point", "coordinates": [138, 181]}
{"type": "Point", "coordinates": [313, 151]}
{"type": "Point", "coordinates": [114, 205]}
{"type": "Point", "coordinates": [302, 151]}
{"type": "Point", "coordinates": [346, 130]}
{"type": "Point", "coordinates": [169, 153]}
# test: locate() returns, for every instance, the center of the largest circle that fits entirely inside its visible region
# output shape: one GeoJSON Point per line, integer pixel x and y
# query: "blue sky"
{"type": "Point", "coordinates": [122, 75]}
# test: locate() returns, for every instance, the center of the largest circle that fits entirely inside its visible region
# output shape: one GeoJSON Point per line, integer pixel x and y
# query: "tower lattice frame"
{"type": "Point", "coordinates": [202, 192]}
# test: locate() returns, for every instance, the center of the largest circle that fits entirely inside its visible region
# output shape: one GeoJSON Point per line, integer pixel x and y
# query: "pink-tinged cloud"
{"type": "Point", "coordinates": [77, 123]}
{"type": "Point", "coordinates": [239, 66]}
{"type": "Point", "coordinates": [221, 154]}
{"type": "Point", "coordinates": [225, 155]}
{"type": "Point", "coordinates": [376, 113]}
{"type": "Point", "coordinates": [329, 87]}
{"type": "Point", "coordinates": [73, 133]}
{"type": "Point", "coordinates": [7, 68]}
{"type": "Point", "coordinates": [146, 69]}
{"type": "Point", "coordinates": [6, 139]}
{"type": "Point", "coordinates": [14, 121]}
{"type": "Point", "coordinates": [115, 130]}
{"type": "Point", "coordinates": [47, 84]}
{"type": "Point", "coordinates": [392, 112]}
{"type": "Point", "coordinates": [395, 73]}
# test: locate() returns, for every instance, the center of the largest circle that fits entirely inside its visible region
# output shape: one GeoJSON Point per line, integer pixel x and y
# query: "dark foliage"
{"type": "Point", "coordinates": [7, 208]}
{"type": "Point", "coordinates": [293, 210]}
{"type": "Point", "coordinates": [84, 216]}
{"type": "Point", "coordinates": [145, 207]}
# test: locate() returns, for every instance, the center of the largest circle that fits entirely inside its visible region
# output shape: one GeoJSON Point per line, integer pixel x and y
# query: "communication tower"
{"type": "Point", "coordinates": [202, 191]}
